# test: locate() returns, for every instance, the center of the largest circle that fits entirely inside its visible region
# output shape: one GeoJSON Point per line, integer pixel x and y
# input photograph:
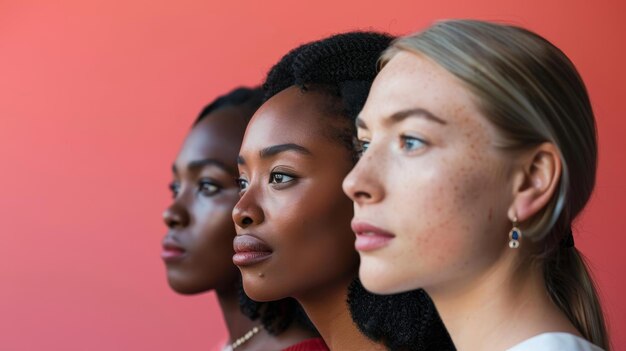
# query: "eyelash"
{"type": "Point", "coordinates": [405, 140]}
{"type": "Point", "coordinates": [175, 187]}
{"type": "Point", "coordinates": [240, 183]}
{"type": "Point", "coordinates": [243, 183]}
{"type": "Point", "coordinates": [205, 182]}
{"type": "Point", "coordinates": [275, 175]}
{"type": "Point", "coordinates": [361, 146]}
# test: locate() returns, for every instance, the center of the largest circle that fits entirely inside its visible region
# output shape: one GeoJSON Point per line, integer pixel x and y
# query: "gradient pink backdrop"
{"type": "Point", "coordinates": [96, 97]}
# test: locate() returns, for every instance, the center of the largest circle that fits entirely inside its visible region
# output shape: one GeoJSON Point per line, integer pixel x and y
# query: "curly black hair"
{"type": "Point", "coordinates": [402, 322]}
{"type": "Point", "coordinates": [249, 98]}
{"type": "Point", "coordinates": [342, 66]}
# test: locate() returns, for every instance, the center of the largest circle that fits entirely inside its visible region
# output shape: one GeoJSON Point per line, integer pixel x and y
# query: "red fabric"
{"type": "Point", "coordinates": [315, 344]}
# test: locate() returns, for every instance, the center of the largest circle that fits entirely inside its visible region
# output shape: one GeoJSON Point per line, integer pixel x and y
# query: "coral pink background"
{"type": "Point", "coordinates": [96, 97]}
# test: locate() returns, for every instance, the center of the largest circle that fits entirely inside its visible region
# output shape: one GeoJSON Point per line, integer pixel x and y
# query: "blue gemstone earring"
{"type": "Point", "coordinates": [515, 235]}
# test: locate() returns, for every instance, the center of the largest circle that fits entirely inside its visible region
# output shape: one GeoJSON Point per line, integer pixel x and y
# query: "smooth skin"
{"type": "Point", "coordinates": [200, 223]}
{"type": "Point", "coordinates": [291, 170]}
{"type": "Point", "coordinates": [434, 176]}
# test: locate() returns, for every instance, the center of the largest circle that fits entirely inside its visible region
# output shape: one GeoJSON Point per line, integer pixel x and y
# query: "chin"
{"type": "Point", "coordinates": [185, 289]}
{"type": "Point", "coordinates": [187, 286]}
{"type": "Point", "coordinates": [259, 289]}
{"type": "Point", "coordinates": [379, 278]}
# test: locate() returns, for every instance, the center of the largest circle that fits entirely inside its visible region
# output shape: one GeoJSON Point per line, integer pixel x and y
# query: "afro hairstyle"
{"type": "Point", "coordinates": [342, 66]}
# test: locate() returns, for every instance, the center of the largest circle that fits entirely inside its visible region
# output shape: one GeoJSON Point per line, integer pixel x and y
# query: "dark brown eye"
{"type": "Point", "coordinates": [242, 183]}
{"type": "Point", "coordinates": [279, 178]}
{"type": "Point", "coordinates": [208, 187]}
{"type": "Point", "coordinates": [174, 188]}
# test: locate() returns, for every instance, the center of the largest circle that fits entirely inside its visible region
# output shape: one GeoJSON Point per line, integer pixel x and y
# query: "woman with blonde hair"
{"type": "Point", "coordinates": [479, 151]}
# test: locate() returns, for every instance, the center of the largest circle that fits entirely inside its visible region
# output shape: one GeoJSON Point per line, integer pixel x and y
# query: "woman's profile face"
{"type": "Point", "coordinates": [429, 191]}
{"type": "Point", "coordinates": [197, 249]}
{"type": "Point", "coordinates": [293, 220]}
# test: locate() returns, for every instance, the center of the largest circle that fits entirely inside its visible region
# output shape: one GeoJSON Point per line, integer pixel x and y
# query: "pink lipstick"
{"type": "Point", "coordinates": [250, 250]}
{"type": "Point", "coordinates": [369, 237]}
{"type": "Point", "coordinates": [172, 251]}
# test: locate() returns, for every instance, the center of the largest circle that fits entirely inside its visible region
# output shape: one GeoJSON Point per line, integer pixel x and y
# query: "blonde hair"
{"type": "Point", "coordinates": [532, 93]}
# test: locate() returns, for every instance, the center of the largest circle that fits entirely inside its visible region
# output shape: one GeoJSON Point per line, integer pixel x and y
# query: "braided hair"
{"type": "Point", "coordinates": [343, 67]}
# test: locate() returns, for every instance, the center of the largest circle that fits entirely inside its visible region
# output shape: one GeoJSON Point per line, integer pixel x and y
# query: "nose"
{"type": "Point", "coordinates": [247, 212]}
{"type": "Point", "coordinates": [176, 216]}
{"type": "Point", "coordinates": [362, 184]}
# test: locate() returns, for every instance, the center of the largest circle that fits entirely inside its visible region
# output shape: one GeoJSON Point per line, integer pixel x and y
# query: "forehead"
{"type": "Point", "coordinates": [217, 135]}
{"type": "Point", "coordinates": [411, 81]}
{"type": "Point", "coordinates": [291, 116]}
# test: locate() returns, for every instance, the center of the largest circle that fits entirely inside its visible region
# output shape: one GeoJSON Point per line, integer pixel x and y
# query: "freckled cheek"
{"type": "Point", "coordinates": [434, 209]}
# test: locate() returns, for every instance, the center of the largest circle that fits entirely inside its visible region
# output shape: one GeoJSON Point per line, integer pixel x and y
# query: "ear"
{"type": "Point", "coordinates": [536, 181]}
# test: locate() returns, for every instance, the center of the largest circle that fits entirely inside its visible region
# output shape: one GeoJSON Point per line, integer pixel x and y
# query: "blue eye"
{"type": "Point", "coordinates": [409, 143]}
{"type": "Point", "coordinates": [280, 178]}
{"type": "Point", "coordinates": [242, 183]}
{"type": "Point", "coordinates": [208, 188]}
{"type": "Point", "coordinates": [362, 146]}
{"type": "Point", "coordinates": [174, 188]}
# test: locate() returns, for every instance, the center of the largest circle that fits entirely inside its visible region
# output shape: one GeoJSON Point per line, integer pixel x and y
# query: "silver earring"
{"type": "Point", "coordinates": [515, 235]}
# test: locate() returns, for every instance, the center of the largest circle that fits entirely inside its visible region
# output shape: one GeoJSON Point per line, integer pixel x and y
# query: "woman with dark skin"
{"type": "Point", "coordinates": [197, 249]}
{"type": "Point", "coordinates": [293, 222]}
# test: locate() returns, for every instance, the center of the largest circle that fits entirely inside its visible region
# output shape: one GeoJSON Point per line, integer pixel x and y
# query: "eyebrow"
{"type": "Point", "coordinates": [404, 114]}
{"type": "Point", "coordinates": [277, 149]}
{"type": "Point", "coordinates": [360, 123]}
{"type": "Point", "coordinates": [199, 164]}
{"type": "Point", "coordinates": [415, 112]}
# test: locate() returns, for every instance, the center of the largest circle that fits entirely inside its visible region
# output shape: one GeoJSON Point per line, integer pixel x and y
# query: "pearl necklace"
{"type": "Point", "coordinates": [245, 338]}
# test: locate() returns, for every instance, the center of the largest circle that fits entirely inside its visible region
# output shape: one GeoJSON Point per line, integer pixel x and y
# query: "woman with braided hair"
{"type": "Point", "coordinates": [293, 221]}
{"type": "Point", "coordinates": [197, 249]}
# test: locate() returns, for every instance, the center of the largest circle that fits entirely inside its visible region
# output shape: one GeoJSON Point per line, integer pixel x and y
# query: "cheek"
{"type": "Point", "coordinates": [443, 207]}
{"type": "Point", "coordinates": [215, 232]}
{"type": "Point", "coordinates": [216, 214]}
{"type": "Point", "coordinates": [314, 236]}
{"type": "Point", "coordinates": [209, 264]}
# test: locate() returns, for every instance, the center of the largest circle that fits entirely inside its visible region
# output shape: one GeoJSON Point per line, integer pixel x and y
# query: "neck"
{"type": "Point", "coordinates": [237, 323]}
{"type": "Point", "coordinates": [328, 310]}
{"type": "Point", "coordinates": [499, 308]}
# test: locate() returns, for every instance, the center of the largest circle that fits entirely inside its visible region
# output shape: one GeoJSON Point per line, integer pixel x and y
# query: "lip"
{"type": "Point", "coordinates": [172, 251]}
{"type": "Point", "coordinates": [370, 237]}
{"type": "Point", "coordinates": [250, 250]}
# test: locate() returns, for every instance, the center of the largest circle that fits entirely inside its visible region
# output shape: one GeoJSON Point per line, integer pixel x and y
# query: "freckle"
{"type": "Point", "coordinates": [490, 214]}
